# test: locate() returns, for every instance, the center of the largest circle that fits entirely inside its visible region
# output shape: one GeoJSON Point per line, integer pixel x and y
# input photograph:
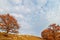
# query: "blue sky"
{"type": "Point", "coordinates": [32, 15]}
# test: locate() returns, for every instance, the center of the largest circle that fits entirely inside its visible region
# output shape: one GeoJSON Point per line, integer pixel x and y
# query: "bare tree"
{"type": "Point", "coordinates": [8, 24]}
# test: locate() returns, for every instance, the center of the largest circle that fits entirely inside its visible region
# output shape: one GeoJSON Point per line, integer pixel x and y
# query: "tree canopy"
{"type": "Point", "coordinates": [8, 24]}
{"type": "Point", "coordinates": [51, 33]}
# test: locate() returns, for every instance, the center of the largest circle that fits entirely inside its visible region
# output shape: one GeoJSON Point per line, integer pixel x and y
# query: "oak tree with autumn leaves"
{"type": "Point", "coordinates": [8, 24]}
{"type": "Point", "coordinates": [51, 33]}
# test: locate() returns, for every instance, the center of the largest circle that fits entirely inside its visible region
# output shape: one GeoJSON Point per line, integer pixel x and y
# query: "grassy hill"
{"type": "Point", "coordinates": [18, 37]}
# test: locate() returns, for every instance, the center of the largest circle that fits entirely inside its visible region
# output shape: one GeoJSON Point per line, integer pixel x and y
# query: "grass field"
{"type": "Point", "coordinates": [18, 37]}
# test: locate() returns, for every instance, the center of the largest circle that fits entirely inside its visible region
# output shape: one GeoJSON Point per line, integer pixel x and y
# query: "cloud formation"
{"type": "Point", "coordinates": [53, 12]}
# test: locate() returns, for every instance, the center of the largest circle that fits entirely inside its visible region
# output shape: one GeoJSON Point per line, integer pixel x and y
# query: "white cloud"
{"type": "Point", "coordinates": [41, 2]}
{"type": "Point", "coordinates": [4, 3]}
{"type": "Point", "coordinates": [25, 25]}
{"type": "Point", "coordinates": [26, 28]}
{"type": "Point", "coordinates": [18, 15]}
{"type": "Point", "coordinates": [53, 11]}
{"type": "Point", "coordinates": [25, 9]}
{"type": "Point", "coordinates": [1, 9]}
{"type": "Point", "coordinates": [17, 8]}
{"type": "Point", "coordinates": [21, 9]}
{"type": "Point", "coordinates": [53, 16]}
{"type": "Point", "coordinates": [16, 1]}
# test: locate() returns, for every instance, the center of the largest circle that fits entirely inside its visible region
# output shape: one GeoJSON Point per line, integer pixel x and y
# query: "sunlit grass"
{"type": "Point", "coordinates": [18, 37]}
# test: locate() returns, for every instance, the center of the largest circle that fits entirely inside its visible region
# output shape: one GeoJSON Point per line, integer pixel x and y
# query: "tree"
{"type": "Point", "coordinates": [8, 24]}
{"type": "Point", "coordinates": [47, 34]}
{"type": "Point", "coordinates": [52, 32]}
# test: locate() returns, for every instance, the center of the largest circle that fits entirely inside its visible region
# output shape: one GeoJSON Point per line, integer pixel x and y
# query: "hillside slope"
{"type": "Point", "coordinates": [18, 37]}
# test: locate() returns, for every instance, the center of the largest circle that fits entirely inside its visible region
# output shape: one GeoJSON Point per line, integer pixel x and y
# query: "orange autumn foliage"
{"type": "Point", "coordinates": [8, 24]}
{"type": "Point", "coordinates": [51, 33]}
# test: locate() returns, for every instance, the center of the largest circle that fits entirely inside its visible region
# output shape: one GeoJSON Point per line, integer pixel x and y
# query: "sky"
{"type": "Point", "coordinates": [32, 15]}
